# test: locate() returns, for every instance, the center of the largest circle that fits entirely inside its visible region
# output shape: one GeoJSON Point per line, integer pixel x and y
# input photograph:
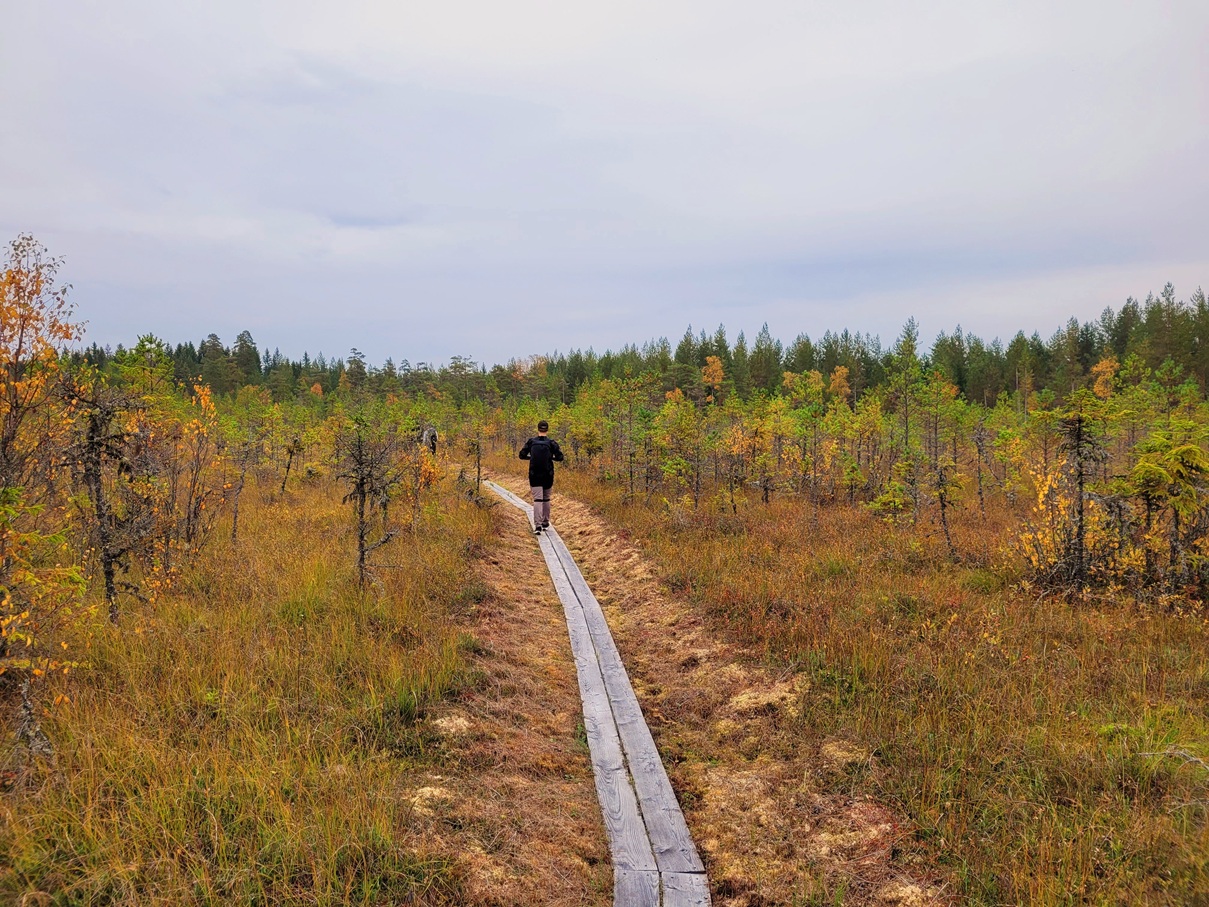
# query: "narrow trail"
{"type": "Point", "coordinates": [770, 802]}
{"type": "Point", "coordinates": [654, 858]}
{"type": "Point", "coordinates": [511, 794]}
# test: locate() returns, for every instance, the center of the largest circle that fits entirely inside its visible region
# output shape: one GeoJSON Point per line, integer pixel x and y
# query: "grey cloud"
{"type": "Point", "coordinates": [441, 177]}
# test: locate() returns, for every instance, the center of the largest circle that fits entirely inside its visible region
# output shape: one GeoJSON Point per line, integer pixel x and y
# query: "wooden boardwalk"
{"type": "Point", "coordinates": [654, 859]}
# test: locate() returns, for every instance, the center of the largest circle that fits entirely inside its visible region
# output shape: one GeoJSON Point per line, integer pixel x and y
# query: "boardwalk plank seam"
{"type": "Point", "coordinates": [654, 859]}
{"type": "Point", "coordinates": [670, 838]}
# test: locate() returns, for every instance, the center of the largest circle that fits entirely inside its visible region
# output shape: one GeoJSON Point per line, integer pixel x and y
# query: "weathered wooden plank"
{"type": "Point", "coordinates": [635, 889]}
{"type": "Point", "coordinates": [685, 889]}
{"type": "Point", "coordinates": [628, 840]}
{"type": "Point", "coordinates": [669, 834]}
{"type": "Point", "coordinates": [636, 738]}
{"type": "Point", "coordinates": [514, 499]}
{"type": "Point", "coordinates": [670, 838]}
{"type": "Point", "coordinates": [505, 492]}
{"type": "Point", "coordinates": [644, 821]}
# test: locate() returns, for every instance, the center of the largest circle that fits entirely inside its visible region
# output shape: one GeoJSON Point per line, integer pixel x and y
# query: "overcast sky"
{"type": "Point", "coordinates": [493, 180]}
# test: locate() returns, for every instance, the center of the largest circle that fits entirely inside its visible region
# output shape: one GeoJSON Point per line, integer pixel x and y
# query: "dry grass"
{"type": "Point", "coordinates": [267, 735]}
{"type": "Point", "coordinates": [1007, 730]}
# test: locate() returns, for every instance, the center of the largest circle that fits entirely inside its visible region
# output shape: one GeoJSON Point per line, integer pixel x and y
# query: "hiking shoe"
{"type": "Point", "coordinates": [537, 530]}
{"type": "Point", "coordinates": [546, 525]}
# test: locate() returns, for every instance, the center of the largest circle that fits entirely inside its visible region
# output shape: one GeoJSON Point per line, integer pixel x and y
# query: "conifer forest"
{"type": "Point", "coordinates": [933, 613]}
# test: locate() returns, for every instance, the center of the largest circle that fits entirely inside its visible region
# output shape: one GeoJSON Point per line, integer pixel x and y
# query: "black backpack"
{"type": "Point", "coordinates": [541, 458]}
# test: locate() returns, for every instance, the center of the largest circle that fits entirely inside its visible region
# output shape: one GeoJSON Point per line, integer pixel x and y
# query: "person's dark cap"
{"type": "Point", "coordinates": [543, 425]}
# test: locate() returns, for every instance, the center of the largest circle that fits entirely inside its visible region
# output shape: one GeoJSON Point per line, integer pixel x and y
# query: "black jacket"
{"type": "Point", "coordinates": [542, 454]}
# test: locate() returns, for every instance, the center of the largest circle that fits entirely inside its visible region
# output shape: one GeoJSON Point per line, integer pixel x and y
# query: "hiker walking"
{"type": "Point", "coordinates": [542, 453]}
{"type": "Point", "coordinates": [428, 438]}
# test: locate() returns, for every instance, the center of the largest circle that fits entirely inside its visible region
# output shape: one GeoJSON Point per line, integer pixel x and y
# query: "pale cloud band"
{"type": "Point", "coordinates": [424, 180]}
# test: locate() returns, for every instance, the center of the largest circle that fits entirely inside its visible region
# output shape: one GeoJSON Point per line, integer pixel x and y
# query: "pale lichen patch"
{"type": "Point", "coordinates": [452, 725]}
{"type": "Point", "coordinates": [903, 894]}
{"type": "Point", "coordinates": [766, 701]}
{"type": "Point", "coordinates": [426, 799]}
{"type": "Point", "coordinates": [840, 755]}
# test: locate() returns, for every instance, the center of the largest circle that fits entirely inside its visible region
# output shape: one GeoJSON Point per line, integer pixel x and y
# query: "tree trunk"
{"type": "Point", "coordinates": [93, 481]}
{"type": "Point", "coordinates": [243, 474]}
{"type": "Point", "coordinates": [289, 461]}
{"type": "Point", "coordinates": [362, 531]}
{"type": "Point", "coordinates": [1080, 525]}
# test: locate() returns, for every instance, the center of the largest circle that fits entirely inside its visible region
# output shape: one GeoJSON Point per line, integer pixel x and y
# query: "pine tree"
{"type": "Point", "coordinates": [246, 359]}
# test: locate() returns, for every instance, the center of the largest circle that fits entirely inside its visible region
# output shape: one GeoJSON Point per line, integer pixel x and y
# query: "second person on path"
{"type": "Point", "coordinates": [542, 453]}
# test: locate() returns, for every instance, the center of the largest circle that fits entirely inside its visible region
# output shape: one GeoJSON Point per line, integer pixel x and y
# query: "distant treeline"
{"type": "Point", "coordinates": [1159, 333]}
